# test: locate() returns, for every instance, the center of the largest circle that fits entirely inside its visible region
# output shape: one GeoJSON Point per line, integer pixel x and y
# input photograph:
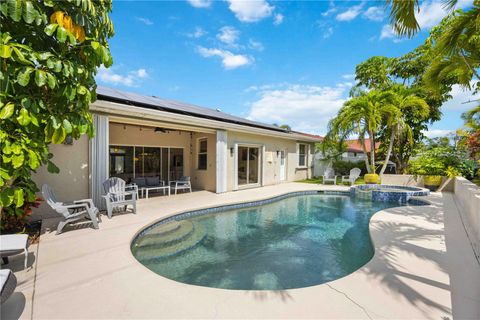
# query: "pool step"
{"type": "Point", "coordinates": [150, 253]}
{"type": "Point", "coordinates": [160, 237]}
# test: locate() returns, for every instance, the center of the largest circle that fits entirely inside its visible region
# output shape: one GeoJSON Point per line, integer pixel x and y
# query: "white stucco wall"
{"type": "Point", "coordinates": [467, 196]}
{"type": "Point", "coordinates": [271, 174]}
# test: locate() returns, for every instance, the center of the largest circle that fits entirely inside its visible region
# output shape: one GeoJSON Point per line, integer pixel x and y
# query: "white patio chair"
{"type": "Point", "coordinates": [117, 196]}
{"type": "Point", "coordinates": [329, 176]}
{"type": "Point", "coordinates": [8, 283]}
{"type": "Point", "coordinates": [354, 175]}
{"type": "Point", "coordinates": [182, 184]}
{"type": "Point", "coordinates": [71, 211]}
{"type": "Point", "coordinates": [13, 244]}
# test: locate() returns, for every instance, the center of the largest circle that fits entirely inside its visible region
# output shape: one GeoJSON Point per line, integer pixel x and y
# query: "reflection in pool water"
{"type": "Point", "coordinates": [291, 243]}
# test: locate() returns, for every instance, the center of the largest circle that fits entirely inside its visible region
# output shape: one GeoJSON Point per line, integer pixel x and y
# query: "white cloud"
{"type": "Point", "coordinates": [374, 13]}
{"type": "Point", "coordinates": [459, 97]}
{"type": "Point", "coordinates": [228, 35]}
{"type": "Point", "coordinates": [350, 14]}
{"type": "Point", "coordinates": [141, 73]}
{"type": "Point", "coordinates": [306, 108]}
{"type": "Point", "coordinates": [198, 33]}
{"type": "Point", "coordinates": [388, 33]}
{"type": "Point", "coordinates": [327, 33]}
{"type": "Point", "coordinates": [348, 76]}
{"type": "Point", "coordinates": [200, 3]}
{"type": "Point", "coordinates": [229, 59]}
{"type": "Point", "coordinates": [256, 45]}
{"type": "Point", "coordinates": [131, 79]}
{"type": "Point", "coordinates": [278, 19]}
{"type": "Point", "coordinates": [435, 133]}
{"type": "Point", "coordinates": [146, 21]}
{"type": "Point", "coordinates": [250, 11]}
{"type": "Point", "coordinates": [330, 11]}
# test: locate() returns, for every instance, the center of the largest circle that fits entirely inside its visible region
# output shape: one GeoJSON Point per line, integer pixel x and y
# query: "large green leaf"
{"type": "Point", "coordinates": [52, 168]}
{"type": "Point", "coordinates": [33, 161]}
{"type": "Point", "coordinates": [7, 111]}
{"type": "Point", "coordinates": [51, 81]}
{"type": "Point", "coordinates": [17, 160]}
{"type": "Point", "coordinates": [67, 126]}
{"type": "Point", "coordinates": [15, 9]}
{"type": "Point", "coordinates": [23, 77]}
{"type": "Point", "coordinates": [61, 34]}
{"type": "Point", "coordinates": [50, 29]}
{"type": "Point", "coordinates": [6, 197]}
{"type": "Point", "coordinates": [5, 51]}
{"type": "Point", "coordinates": [40, 77]}
{"type": "Point", "coordinates": [18, 197]}
{"type": "Point", "coordinates": [29, 12]}
{"type": "Point", "coordinates": [23, 117]}
{"type": "Point", "coordinates": [59, 135]}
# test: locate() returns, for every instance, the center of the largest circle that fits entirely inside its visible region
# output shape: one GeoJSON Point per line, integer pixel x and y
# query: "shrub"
{"type": "Point", "coordinates": [343, 167]}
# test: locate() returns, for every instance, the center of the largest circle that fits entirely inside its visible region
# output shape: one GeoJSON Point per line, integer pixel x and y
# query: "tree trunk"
{"type": "Point", "coordinates": [372, 151]}
{"type": "Point", "coordinates": [367, 164]}
{"type": "Point", "coordinates": [389, 151]}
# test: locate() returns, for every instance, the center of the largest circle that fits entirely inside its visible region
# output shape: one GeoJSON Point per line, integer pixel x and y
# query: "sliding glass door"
{"type": "Point", "coordinates": [129, 162]}
{"type": "Point", "coordinates": [248, 169]}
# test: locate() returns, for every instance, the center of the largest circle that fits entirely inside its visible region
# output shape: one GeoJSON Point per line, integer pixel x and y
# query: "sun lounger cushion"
{"type": "Point", "coordinates": [140, 182]}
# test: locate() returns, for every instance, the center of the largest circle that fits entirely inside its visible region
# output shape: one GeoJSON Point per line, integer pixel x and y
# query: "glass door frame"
{"type": "Point", "coordinates": [261, 166]}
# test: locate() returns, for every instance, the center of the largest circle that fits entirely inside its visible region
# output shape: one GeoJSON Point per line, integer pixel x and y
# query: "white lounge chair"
{"type": "Point", "coordinates": [329, 176]}
{"type": "Point", "coordinates": [182, 184]}
{"type": "Point", "coordinates": [118, 196]}
{"type": "Point", "coordinates": [71, 211]}
{"type": "Point", "coordinates": [354, 175]}
{"type": "Point", "coordinates": [13, 244]}
{"type": "Point", "coordinates": [8, 283]}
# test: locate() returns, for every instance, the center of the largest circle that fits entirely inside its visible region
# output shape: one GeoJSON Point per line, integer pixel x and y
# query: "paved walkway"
{"type": "Point", "coordinates": [423, 267]}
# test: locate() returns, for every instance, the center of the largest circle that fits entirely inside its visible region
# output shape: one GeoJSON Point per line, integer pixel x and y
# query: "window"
{"type": "Point", "coordinates": [302, 155]}
{"type": "Point", "coordinates": [202, 154]}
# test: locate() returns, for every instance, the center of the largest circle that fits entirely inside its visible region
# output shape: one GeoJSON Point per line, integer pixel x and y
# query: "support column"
{"type": "Point", "coordinates": [221, 165]}
{"type": "Point", "coordinates": [98, 159]}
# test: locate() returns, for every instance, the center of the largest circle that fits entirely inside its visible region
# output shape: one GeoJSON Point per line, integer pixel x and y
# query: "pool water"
{"type": "Point", "coordinates": [295, 242]}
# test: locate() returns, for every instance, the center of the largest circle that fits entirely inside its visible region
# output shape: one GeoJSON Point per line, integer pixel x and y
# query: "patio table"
{"type": "Point", "coordinates": [13, 244]}
{"type": "Point", "coordinates": [146, 189]}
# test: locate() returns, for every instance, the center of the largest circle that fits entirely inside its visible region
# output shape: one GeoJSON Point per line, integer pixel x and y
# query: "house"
{"type": "Point", "coordinates": [354, 151]}
{"type": "Point", "coordinates": [140, 135]}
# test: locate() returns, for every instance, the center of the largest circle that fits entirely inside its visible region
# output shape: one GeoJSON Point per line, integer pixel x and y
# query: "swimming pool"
{"type": "Point", "coordinates": [288, 242]}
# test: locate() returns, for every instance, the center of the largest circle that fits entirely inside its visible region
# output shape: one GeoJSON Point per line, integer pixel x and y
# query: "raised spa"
{"type": "Point", "coordinates": [291, 241]}
{"type": "Point", "coordinates": [388, 193]}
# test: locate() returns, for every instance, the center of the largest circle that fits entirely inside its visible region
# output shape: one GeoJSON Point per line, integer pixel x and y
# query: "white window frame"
{"type": "Point", "coordinates": [305, 165]}
{"type": "Point", "coordinates": [199, 140]}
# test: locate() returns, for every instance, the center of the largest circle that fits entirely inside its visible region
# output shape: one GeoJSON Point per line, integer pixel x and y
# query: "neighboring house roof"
{"type": "Point", "coordinates": [152, 102]}
{"type": "Point", "coordinates": [355, 146]}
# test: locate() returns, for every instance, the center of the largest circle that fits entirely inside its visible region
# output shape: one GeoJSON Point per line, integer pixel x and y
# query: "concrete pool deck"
{"type": "Point", "coordinates": [423, 267]}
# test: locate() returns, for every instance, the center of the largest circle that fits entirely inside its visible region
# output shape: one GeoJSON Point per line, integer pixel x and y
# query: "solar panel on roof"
{"type": "Point", "coordinates": [109, 94]}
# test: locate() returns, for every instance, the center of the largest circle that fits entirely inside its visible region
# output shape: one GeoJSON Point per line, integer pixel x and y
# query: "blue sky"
{"type": "Point", "coordinates": [275, 62]}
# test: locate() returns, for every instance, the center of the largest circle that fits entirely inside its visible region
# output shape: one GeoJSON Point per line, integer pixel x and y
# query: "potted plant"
{"type": "Point", "coordinates": [372, 178]}
{"type": "Point", "coordinates": [431, 168]}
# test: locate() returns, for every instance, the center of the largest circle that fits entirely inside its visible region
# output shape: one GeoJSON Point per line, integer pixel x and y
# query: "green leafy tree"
{"type": "Point", "coordinates": [50, 52]}
{"type": "Point", "coordinates": [363, 116]}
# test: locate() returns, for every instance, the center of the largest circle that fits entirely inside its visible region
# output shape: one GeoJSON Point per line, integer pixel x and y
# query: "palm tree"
{"type": "Point", "coordinates": [402, 15]}
{"type": "Point", "coordinates": [472, 118]}
{"type": "Point", "coordinates": [363, 115]}
{"type": "Point", "coordinates": [405, 100]}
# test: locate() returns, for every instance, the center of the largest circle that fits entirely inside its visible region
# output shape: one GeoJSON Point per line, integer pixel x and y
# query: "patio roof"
{"type": "Point", "coordinates": [152, 102]}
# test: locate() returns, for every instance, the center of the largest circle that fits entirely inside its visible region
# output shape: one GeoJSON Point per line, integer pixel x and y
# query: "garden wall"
{"type": "Point", "coordinates": [467, 195]}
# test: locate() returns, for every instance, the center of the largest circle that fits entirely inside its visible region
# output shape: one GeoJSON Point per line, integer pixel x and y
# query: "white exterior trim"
{"type": "Point", "coordinates": [221, 154]}
{"type": "Point", "coordinates": [99, 159]}
{"type": "Point", "coordinates": [173, 119]}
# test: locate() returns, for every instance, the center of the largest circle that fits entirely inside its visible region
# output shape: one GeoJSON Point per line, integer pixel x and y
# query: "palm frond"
{"type": "Point", "coordinates": [402, 16]}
